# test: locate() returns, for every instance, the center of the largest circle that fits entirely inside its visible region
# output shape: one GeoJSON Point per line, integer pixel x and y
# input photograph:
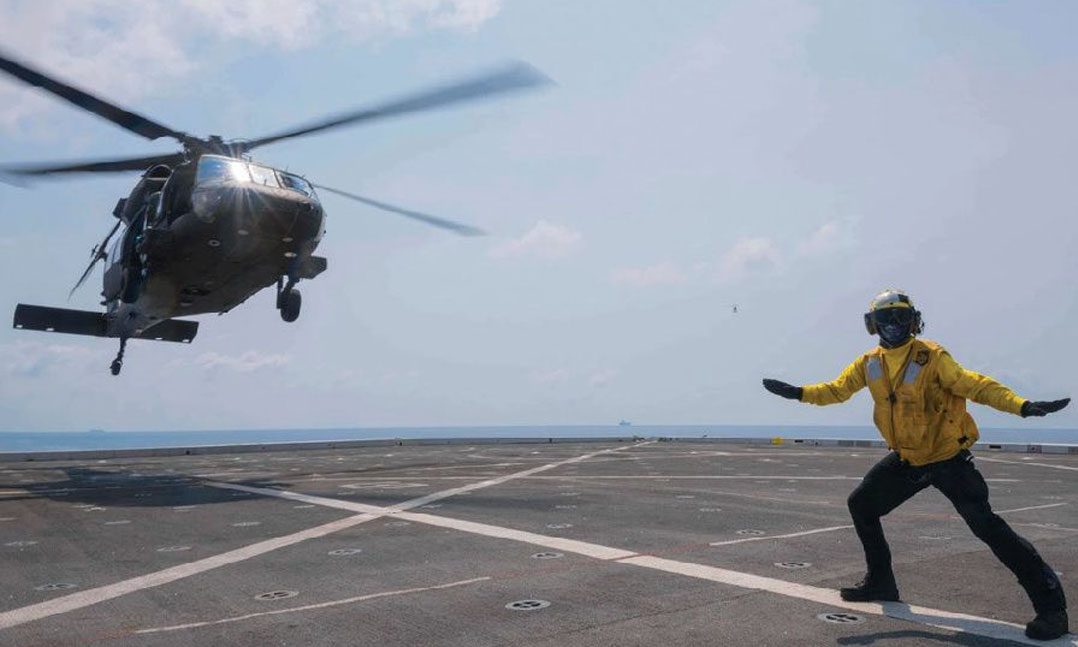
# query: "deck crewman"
{"type": "Point", "coordinates": [920, 395]}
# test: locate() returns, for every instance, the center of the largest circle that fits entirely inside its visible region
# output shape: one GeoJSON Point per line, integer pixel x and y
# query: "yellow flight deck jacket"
{"type": "Point", "coordinates": [920, 395]}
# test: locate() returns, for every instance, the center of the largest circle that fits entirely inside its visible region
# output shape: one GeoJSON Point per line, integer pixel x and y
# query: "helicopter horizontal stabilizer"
{"type": "Point", "coordinates": [171, 330]}
{"type": "Point", "coordinates": [95, 324]}
{"type": "Point", "coordinates": [72, 322]}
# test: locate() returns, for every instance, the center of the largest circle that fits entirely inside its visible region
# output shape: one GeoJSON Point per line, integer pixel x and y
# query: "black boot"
{"type": "Point", "coordinates": [1048, 625]}
{"type": "Point", "coordinates": [871, 589]}
{"type": "Point", "coordinates": [1046, 593]}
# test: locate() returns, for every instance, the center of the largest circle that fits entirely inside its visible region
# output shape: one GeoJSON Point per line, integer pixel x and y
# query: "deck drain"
{"type": "Point", "coordinates": [305, 505]}
{"type": "Point", "coordinates": [432, 506]}
{"type": "Point", "coordinates": [397, 524]}
{"type": "Point", "coordinates": [527, 605]}
{"type": "Point", "coordinates": [276, 595]}
{"type": "Point", "coordinates": [118, 522]}
{"type": "Point", "coordinates": [685, 496]}
{"type": "Point", "coordinates": [570, 494]}
{"type": "Point", "coordinates": [246, 524]}
{"type": "Point", "coordinates": [173, 549]}
{"type": "Point", "coordinates": [20, 544]}
{"type": "Point", "coordinates": [710, 509]}
{"type": "Point", "coordinates": [7, 518]}
{"type": "Point", "coordinates": [935, 537]}
{"type": "Point", "coordinates": [751, 533]}
{"type": "Point", "coordinates": [547, 556]}
{"type": "Point", "coordinates": [793, 564]}
{"type": "Point", "coordinates": [56, 586]}
{"type": "Point", "coordinates": [559, 526]}
{"type": "Point", "coordinates": [571, 506]}
{"type": "Point", "coordinates": [344, 552]}
{"type": "Point", "coordinates": [841, 618]}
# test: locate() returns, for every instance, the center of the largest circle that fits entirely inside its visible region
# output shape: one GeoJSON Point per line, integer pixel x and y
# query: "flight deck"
{"type": "Point", "coordinates": [611, 542]}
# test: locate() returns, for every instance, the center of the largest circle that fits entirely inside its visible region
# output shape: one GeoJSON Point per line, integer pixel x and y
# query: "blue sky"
{"type": "Point", "coordinates": [791, 157]}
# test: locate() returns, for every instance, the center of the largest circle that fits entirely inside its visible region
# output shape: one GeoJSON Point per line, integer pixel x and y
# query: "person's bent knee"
{"type": "Point", "coordinates": [860, 505]}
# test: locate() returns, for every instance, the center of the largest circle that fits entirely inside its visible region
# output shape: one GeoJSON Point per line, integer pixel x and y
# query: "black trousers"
{"type": "Point", "coordinates": [891, 482]}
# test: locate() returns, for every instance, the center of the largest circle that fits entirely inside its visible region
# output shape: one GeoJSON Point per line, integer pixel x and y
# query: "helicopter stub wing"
{"type": "Point", "coordinates": [95, 324]}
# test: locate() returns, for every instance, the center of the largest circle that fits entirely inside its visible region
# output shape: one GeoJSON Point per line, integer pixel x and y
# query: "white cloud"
{"type": "Point", "coordinates": [544, 240]}
{"type": "Point", "coordinates": [831, 237]}
{"type": "Point", "coordinates": [666, 273]}
{"type": "Point", "coordinates": [32, 359]}
{"type": "Point", "coordinates": [747, 257]}
{"type": "Point", "coordinates": [602, 378]}
{"type": "Point", "coordinates": [244, 363]}
{"type": "Point", "coordinates": [552, 377]}
{"type": "Point", "coordinates": [124, 51]}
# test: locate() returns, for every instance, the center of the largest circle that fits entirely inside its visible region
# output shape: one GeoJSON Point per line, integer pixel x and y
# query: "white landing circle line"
{"type": "Point", "coordinates": [786, 536]}
{"type": "Point", "coordinates": [1032, 507]}
{"type": "Point", "coordinates": [309, 607]}
{"type": "Point", "coordinates": [89, 597]}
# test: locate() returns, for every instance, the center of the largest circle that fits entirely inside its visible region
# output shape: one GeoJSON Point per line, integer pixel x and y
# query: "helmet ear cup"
{"type": "Point", "coordinates": [870, 323]}
{"type": "Point", "coordinates": [918, 323]}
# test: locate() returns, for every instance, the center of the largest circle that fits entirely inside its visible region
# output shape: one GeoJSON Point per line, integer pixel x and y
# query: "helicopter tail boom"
{"type": "Point", "coordinates": [96, 324]}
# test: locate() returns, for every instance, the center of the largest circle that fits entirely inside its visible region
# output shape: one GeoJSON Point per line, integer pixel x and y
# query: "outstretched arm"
{"type": "Point", "coordinates": [841, 389]}
{"type": "Point", "coordinates": [979, 388]}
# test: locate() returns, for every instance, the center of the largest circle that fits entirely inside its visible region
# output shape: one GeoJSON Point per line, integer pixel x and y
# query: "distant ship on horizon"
{"type": "Point", "coordinates": [625, 423]}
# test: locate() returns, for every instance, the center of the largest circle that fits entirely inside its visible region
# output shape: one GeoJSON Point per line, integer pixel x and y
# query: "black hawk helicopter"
{"type": "Point", "coordinates": [207, 227]}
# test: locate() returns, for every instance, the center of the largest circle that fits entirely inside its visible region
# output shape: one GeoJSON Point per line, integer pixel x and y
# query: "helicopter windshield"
{"type": "Point", "coordinates": [212, 168]}
{"type": "Point", "coordinates": [263, 175]}
{"type": "Point", "coordinates": [296, 183]}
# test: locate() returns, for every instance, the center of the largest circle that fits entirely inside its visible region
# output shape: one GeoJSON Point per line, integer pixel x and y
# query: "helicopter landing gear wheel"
{"type": "Point", "coordinates": [291, 302]}
{"type": "Point", "coordinates": [118, 363]}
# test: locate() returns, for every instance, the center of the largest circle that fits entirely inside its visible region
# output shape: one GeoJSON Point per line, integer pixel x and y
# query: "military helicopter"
{"type": "Point", "coordinates": [207, 227]}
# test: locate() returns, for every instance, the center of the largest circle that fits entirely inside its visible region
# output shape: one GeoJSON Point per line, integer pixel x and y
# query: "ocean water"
{"type": "Point", "coordinates": [52, 441]}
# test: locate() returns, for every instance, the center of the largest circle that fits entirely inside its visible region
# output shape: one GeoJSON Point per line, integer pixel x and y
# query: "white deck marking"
{"type": "Point", "coordinates": [320, 605]}
{"type": "Point", "coordinates": [948, 620]}
{"type": "Point", "coordinates": [1070, 468]}
{"type": "Point", "coordinates": [89, 597]}
{"type": "Point", "coordinates": [792, 534]}
{"type": "Point", "coordinates": [1045, 526]}
{"type": "Point", "coordinates": [716, 477]}
{"type": "Point", "coordinates": [565, 545]}
{"type": "Point", "coordinates": [1032, 507]}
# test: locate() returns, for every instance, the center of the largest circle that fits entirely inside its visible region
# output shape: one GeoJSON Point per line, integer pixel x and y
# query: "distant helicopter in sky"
{"type": "Point", "coordinates": [207, 227]}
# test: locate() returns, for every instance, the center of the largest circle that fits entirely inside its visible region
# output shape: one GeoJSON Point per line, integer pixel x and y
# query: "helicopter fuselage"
{"type": "Point", "coordinates": [207, 245]}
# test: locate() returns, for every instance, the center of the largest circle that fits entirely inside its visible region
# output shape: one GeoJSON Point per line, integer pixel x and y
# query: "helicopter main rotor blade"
{"type": "Point", "coordinates": [514, 77]}
{"type": "Point", "coordinates": [99, 254]}
{"type": "Point", "coordinates": [456, 227]}
{"type": "Point", "coordinates": [98, 166]}
{"type": "Point", "coordinates": [125, 119]}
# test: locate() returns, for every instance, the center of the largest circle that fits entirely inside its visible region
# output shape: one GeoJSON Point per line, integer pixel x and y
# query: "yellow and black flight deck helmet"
{"type": "Point", "coordinates": [891, 315]}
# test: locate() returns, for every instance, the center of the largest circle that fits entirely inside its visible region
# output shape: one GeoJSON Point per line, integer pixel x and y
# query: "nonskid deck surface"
{"type": "Point", "coordinates": [563, 544]}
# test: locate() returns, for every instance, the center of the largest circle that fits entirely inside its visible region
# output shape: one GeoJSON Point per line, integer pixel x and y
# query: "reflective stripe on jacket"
{"type": "Point", "coordinates": [923, 417]}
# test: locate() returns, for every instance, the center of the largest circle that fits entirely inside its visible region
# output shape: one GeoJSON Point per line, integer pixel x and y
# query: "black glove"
{"type": "Point", "coordinates": [1042, 407]}
{"type": "Point", "coordinates": [785, 390]}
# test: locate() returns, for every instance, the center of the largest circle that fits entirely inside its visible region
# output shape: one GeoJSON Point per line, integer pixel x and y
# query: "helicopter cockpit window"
{"type": "Point", "coordinates": [263, 175]}
{"type": "Point", "coordinates": [212, 168]}
{"type": "Point", "coordinates": [296, 183]}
